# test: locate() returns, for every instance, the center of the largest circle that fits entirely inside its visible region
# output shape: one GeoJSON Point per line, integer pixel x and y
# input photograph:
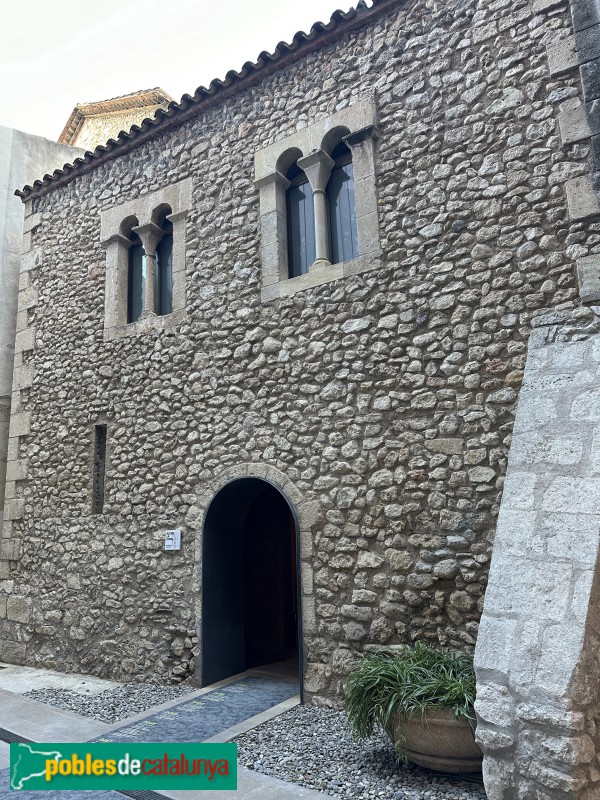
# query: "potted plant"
{"type": "Point", "coordinates": [423, 699]}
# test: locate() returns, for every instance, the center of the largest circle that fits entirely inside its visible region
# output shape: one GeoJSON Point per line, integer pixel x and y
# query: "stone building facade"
{"type": "Point", "coordinates": [376, 396]}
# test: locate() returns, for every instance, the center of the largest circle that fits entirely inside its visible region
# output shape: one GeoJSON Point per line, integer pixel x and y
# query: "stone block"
{"type": "Point", "coordinates": [562, 55]}
{"type": "Point", "coordinates": [13, 509]}
{"type": "Point", "coordinates": [534, 411]}
{"type": "Point", "coordinates": [13, 652]}
{"type": "Point", "coordinates": [559, 656]}
{"type": "Point", "coordinates": [586, 13]}
{"type": "Point", "coordinates": [588, 44]}
{"type": "Point", "coordinates": [492, 740]}
{"type": "Point", "coordinates": [545, 5]}
{"type": "Point", "coordinates": [18, 609]}
{"type": "Point", "coordinates": [26, 243]}
{"type": "Point", "coordinates": [28, 299]}
{"type": "Point", "coordinates": [596, 156]}
{"type": "Point", "coordinates": [592, 111]}
{"type": "Point", "coordinates": [572, 495]}
{"type": "Point", "coordinates": [495, 704]}
{"type": "Point", "coordinates": [582, 200]}
{"type": "Point", "coordinates": [16, 470]}
{"type": "Point", "coordinates": [590, 78]}
{"type": "Point", "coordinates": [573, 123]}
{"type": "Point", "coordinates": [20, 424]}
{"type": "Point", "coordinates": [10, 549]}
{"type": "Point", "coordinates": [539, 590]}
{"type": "Point", "coordinates": [535, 448]}
{"type": "Point", "coordinates": [571, 536]}
{"type": "Point", "coordinates": [446, 446]}
{"type": "Point", "coordinates": [31, 222]}
{"type": "Point", "coordinates": [519, 533]}
{"type": "Point", "coordinates": [25, 340]}
{"type": "Point", "coordinates": [31, 260]}
{"type": "Point", "coordinates": [586, 406]}
{"type": "Point", "coordinates": [551, 716]}
{"type": "Point", "coordinates": [519, 490]}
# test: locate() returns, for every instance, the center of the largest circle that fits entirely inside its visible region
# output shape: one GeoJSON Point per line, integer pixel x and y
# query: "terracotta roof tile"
{"type": "Point", "coordinates": [251, 72]}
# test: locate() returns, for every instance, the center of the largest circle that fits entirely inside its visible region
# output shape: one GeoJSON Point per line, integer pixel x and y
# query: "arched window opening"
{"type": "Point", "coordinates": [163, 275]}
{"type": "Point", "coordinates": [341, 207]}
{"type": "Point", "coordinates": [136, 278]}
{"type": "Point", "coordinates": [300, 222]}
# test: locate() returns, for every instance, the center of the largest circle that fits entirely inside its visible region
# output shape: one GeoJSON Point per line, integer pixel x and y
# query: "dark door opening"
{"type": "Point", "coordinates": [250, 609]}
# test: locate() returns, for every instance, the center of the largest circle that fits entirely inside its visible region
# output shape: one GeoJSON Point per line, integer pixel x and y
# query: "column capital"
{"type": "Point", "coordinates": [317, 167]}
{"type": "Point", "coordinates": [150, 234]}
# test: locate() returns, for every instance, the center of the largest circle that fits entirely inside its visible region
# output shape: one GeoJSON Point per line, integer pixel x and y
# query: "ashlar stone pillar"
{"type": "Point", "coordinates": [538, 650]}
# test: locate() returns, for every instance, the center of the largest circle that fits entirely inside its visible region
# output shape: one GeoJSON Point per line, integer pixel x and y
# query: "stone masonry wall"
{"type": "Point", "coordinates": [384, 401]}
{"type": "Point", "coordinates": [537, 656]}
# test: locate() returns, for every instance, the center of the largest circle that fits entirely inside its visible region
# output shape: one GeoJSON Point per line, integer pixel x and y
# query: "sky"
{"type": "Point", "coordinates": [57, 53]}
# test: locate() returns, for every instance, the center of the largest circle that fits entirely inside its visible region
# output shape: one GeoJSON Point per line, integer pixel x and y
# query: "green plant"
{"type": "Point", "coordinates": [419, 679]}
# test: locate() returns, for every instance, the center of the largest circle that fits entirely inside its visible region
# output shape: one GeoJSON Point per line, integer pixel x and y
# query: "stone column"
{"type": "Point", "coordinates": [150, 234]}
{"type": "Point", "coordinates": [317, 167]}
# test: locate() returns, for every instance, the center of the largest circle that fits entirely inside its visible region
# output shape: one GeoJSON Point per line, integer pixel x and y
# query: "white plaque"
{"type": "Point", "coordinates": [173, 539]}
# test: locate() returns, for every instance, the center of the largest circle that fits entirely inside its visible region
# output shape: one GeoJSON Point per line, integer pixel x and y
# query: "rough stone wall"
{"type": "Point", "coordinates": [537, 655]}
{"type": "Point", "coordinates": [385, 400]}
{"type": "Point", "coordinates": [23, 157]}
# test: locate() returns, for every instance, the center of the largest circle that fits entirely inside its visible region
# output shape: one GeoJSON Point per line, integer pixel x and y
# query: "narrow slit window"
{"type": "Point", "coordinates": [342, 211]}
{"type": "Point", "coordinates": [100, 433]}
{"type": "Point", "coordinates": [300, 223]}
{"type": "Point", "coordinates": [136, 279]}
{"type": "Point", "coordinates": [163, 292]}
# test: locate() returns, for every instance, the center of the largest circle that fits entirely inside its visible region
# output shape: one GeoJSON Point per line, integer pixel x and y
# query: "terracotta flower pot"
{"type": "Point", "coordinates": [439, 741]}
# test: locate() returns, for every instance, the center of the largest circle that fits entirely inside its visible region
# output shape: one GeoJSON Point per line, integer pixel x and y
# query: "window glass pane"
{"type": "Point", "coordinates": [342, 214]}
{"type": "Point", "coordinates": [163, 294]}
{"type": "Point", "coordinates": [300, 228]}
{"type": "Point", "coordinates": [135, 282]}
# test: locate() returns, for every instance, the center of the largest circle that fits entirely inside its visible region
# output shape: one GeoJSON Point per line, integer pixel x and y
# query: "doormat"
{"type": "Point", "coordinates": [211, 713]}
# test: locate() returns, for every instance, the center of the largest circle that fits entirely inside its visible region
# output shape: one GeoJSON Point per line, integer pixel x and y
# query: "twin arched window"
{"type": "Point", "coordinates": [320, 210]}
{"type": "Point", "coordinates": [150, 266]}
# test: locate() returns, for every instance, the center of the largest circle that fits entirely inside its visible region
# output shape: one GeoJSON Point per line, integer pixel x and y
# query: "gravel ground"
{"type": "Point", "coordinates": [313, 747]}
{"type": "Point", "coordinates": [113, 704]}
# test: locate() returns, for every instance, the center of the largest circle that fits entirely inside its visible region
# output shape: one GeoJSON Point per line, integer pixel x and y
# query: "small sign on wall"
{"type": "Point", "coordinates": [173, 539]}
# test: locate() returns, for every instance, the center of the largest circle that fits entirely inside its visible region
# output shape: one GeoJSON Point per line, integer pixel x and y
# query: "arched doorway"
{"type": "Point", "coordinates": [250, 587]}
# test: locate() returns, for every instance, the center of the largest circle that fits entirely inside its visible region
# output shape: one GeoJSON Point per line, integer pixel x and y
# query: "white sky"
{"type": "Point", "coordinates": [57, 53]}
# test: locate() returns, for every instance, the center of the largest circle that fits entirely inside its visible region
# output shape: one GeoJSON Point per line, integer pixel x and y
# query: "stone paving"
{"type": "Point", "coordinates": [228, 709]}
